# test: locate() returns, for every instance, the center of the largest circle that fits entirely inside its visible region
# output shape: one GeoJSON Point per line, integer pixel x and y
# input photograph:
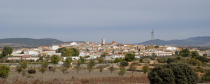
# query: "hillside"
{"type": "Point", "coordinates": [28, 42]}
{"type": "Point", "coordinates": [202, 41]}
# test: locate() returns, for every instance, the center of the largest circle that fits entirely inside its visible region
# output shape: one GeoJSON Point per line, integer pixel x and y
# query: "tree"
{"type": "Point", "coordinates": [161, 75]}
{"type": "Point", "coordinates": [55, 59]}
{"type": "Point", "coordinates": [171, 60]}
{"type": "Point", "coordinates": [100, 60]}
{"type": "Point", "coordinates": [90, 65]}
{"type": "Point", "coordinates": [31, 71]}
{"type": "Point", "coordinates": [194, 62]}
{"type": "Point", "coordinates": [4, 71]}
{"type": "Point", "coordinates": [156, 46]}
{"type": "Point", "coordinates": [145, 69]}
{"type": "Point", "coordinates": [82, 60]}
{"type": "Point", "coordinates": [101, 68]}
{"type": "Point", "coordinates": [111, 69]}
{"type": "Point", "coordinates": [117, 60]}
{"type": "Point", "coordinates": [68, 51]}
{"type": "Point", "coordinates": [129, 57]}
{"type": "Point", "coordinates": [123, 64]}
{"type": "Point", "coordinates": [184, 52]}
{"type": "Point", "coordinates": [173, 74]}
{"type": "Point", "coordinates": [44, 66]}
{"type": "Point", "coordinates": [133, 67]}
{"type": "Point", "coordinates": [67, 63]}
{"type": "Point", "coordinates": [194, 54]}
{"type": "Point", "coordinates": [75, 52]}
{"type": "Point", "coordinates": [104, 54]}
{"type": "Point", "coordinates": [206, 76]}
{"type": "Point", "coordinates": [122, 71]}
{"type": "Point", "coordinates": [6, 51]}
{"type": "Point", "coordinates": [78, 66]}
{"type": "Point", "coordinates": [23, 65]}
{"type": "Point", "coordinates": [203, 59]}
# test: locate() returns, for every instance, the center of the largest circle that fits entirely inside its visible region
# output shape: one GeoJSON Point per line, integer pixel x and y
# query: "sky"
{"type": "Point", "coordinates": [125, 21]}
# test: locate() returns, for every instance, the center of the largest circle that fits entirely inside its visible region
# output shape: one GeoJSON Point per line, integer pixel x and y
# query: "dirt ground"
{"type": "Point", "coordinates": [72, 77]}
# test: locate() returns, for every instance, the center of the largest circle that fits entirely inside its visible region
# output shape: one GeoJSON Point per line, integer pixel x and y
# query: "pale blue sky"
{"type": "Point", "coordinates": [90, 20]}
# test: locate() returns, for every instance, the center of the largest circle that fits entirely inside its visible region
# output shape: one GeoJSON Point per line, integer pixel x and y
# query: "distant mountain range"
{"type": "Point", "coordinates": [202, 41]}
{"type": "Point", "coordinates": [28, 42]}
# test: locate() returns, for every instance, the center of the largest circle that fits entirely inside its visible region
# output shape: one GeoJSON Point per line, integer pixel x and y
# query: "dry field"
{"type": "Point", "coordinates": [72, 77]}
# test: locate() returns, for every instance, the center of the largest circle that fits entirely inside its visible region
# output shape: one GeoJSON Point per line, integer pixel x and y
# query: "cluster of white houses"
{"type": "Point", "coordinates": [92, 50]}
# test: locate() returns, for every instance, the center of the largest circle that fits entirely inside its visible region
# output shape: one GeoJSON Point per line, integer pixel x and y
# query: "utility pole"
{"type": "Point", "coordinates": [152, 37]}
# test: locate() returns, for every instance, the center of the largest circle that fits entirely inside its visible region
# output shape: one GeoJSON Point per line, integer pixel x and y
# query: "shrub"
{"type": "Point", "coordinates": [202, 59]}
{"type": "Point", "coordinates": [122, 71]}
{"type": "Point", "coordinates": [184, 52]}
{"type": "Point", "coordinates": [117, 60]}
{"type": "Point", "coordinates": [4, 71]}
{"type": "Point", "coordinates": [129, 57]}
{"type": "Point", "coordinates": [145, 69]}
{"type": "Point", "coordinates": [173, 74]}
{"type": "Point", "coordinates": [194, 62]}
{"type": "Point", "coordinates": [162, 60]}
{"type": "Point", "coordinates": [123, 64]}
{"type": "Point", "coordinates": [55, 59]}
{"type": "Point", "coordinates": [31, 71]}
{"type": "Point", "coordinates": [206, 76]}
{"type": "Point", "coordinates": [171, 60]}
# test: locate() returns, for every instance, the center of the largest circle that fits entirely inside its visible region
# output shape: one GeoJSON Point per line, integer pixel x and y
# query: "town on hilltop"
{"type": "Point", "coordinates": [93, 50]}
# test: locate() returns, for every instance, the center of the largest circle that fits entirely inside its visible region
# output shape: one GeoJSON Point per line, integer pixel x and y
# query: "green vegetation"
{"type": "Point", "coordinates": [4, 71]}
{"type": "Point", "coordinates": [31, 71]}
{"type": "Point", "coordinates": [133, 67]}
{"type": "Point", "coordinates": [206, 76]}
{"type": "Point", "coordinates": [117, 60]}
{"type": "Point", "coordinates": [6, 51]}
{"type": "Point", "coordinates": [68, 51]}
{"type": "Point", "coordinates": [123, 64]}
{"type": "Point", "coordinates": [67, 63]}
{"type": "Point", "coordinates": [129, 57]}
{"type": "Point", "coordinates": [194, 54]}
{"type": "Point", "coordinates": [44, 66]}
{"type": "Point", "coordinates": [55, 59]}
{"type": "Point", "coordinates": [23, 65]}
{"type": "Point", "coordinates": [184, 53]}
{"type": "Point", "coordinates": [145, 69]}
{"type": "Point", "coordinates": [111, 69]}
{"type": "Point", "coordinates": [173, 74]}
{"type": "Point", "coordinates": [90, 65]}
{"type": "Point", "coordinates": [122, 71]}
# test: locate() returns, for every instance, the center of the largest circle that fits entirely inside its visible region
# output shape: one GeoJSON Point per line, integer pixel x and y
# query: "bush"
{"type": "Point", "coordinates": [194, 62]}
{"type": "Point", "coordinates": [117, 60]}
{"type": "Point", "coordinates": [173, 74]}
{"type": "Point", "coordinates": [4, 71]}
{"type": "Point", "coordinates": [171, 60]}
{"type": "Point", "coordinates": [129, 57]}
{"type": "Point", "coordinates": [31, 71]}
{"type": "Point", "coordinates": [123, 64]}
{"type": "Point", "coordinates": [162, 60]}
{"type": "Point", "coordinates": [145, 69]}
{"type": "Point", "coordinates": [55, 59]}
{"type": "Point", "coordinates": [203, 59]}
{"type": "Point", "coordinates": [184, 52]}
{"type": "Point", "coordinates": [122, 71]}
{"type": "Point", "coordinates": [206, 76]}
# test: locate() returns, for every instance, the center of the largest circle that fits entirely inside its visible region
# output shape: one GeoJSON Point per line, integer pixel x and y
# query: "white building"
{"type": "Point", "coordinates": [55, 47]}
